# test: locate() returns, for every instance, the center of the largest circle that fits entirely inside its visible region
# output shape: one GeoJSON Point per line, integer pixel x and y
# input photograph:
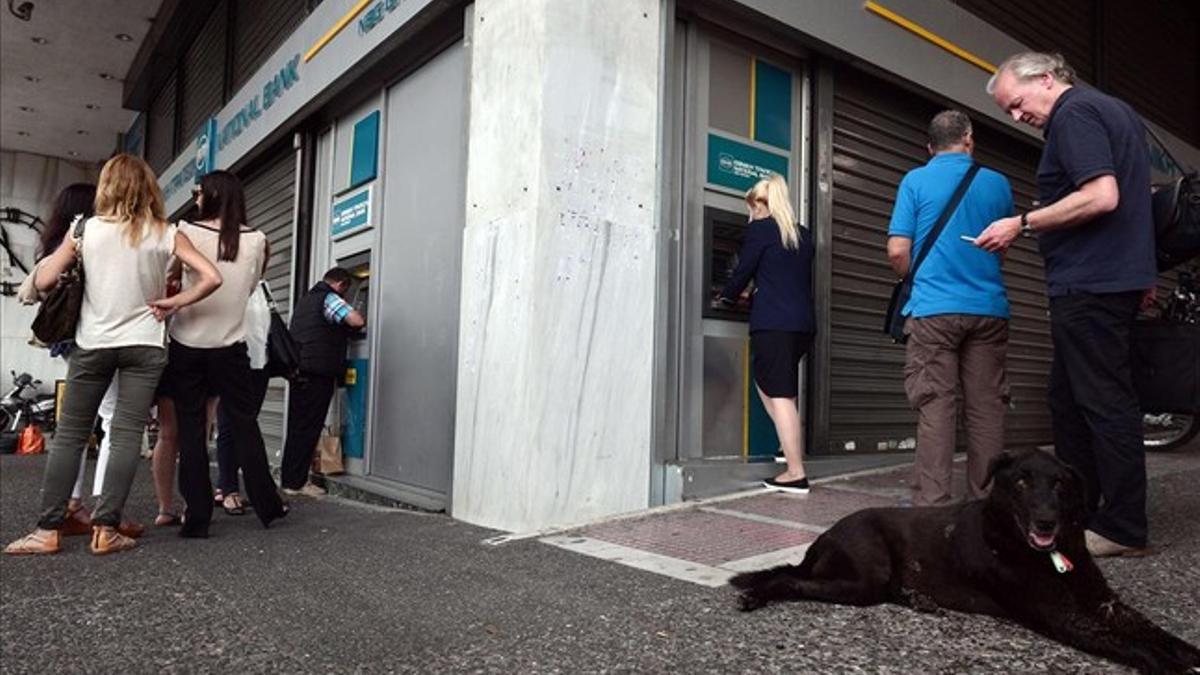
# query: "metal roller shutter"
{"type": "Point", "coordinates": [1150, 62]}
{"type": "Point", "coordinates": [1064, 26]}
{"type": "Point", "coordinates": [259, 27]}
{"type": "Point", "coordinates": [203, 73]}
{"type": "Point", "coordinates": [879, 134]}
{"type": "Point", "coordinates": [270, 207]}
{"type": "Point", "coordinates": [160, 128]}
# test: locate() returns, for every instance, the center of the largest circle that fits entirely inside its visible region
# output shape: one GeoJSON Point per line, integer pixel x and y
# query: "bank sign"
{"type": "Point", "coordinates": [738, 166]}
{"type": "Point", "coordinates": [335, 38]}
{"type": "Point", "coordinates": [214, 136]}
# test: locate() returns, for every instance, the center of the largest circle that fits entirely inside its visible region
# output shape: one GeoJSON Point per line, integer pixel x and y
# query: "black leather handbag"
{"type": "Point", "coordinates": [283, 354]}
{"type": "Point", "coordinates": [58, 315]}
{"type": "Point", "coordinates": [893, 322]}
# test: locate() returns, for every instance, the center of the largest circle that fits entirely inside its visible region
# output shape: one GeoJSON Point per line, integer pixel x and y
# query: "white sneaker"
{"type": "Point", "coordinates": [312, 490]}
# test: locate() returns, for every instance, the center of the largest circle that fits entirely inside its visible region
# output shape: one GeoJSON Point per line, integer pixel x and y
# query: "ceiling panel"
{"type": "Point", "coordinates": [58, 80]}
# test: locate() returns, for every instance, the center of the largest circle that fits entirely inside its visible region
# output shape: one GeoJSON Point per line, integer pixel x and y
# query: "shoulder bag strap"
{"type": "Point", "coordinates": [944, 218]}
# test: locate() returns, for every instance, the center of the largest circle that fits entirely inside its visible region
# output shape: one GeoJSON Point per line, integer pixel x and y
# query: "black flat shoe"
{"type": "Point", "coordinates": [193, 532]}
{"type": "Point", "coordinates": [796, 487]}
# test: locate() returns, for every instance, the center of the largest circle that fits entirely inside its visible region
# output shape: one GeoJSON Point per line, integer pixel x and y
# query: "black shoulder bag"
{"type": "Point", "coordinates": [1175, 207]}
{"type": "Point", "coordinates": [893, 323]}
{"type": "Point", "coordinates": [283, 355]}
{"type": "Point", "coordinates": [58, 316]}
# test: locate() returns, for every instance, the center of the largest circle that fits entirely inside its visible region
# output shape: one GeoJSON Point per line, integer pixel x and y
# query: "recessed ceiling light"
{"type": "Point", "coordinates": [33, 78]}
{"type": "Point", "coordinates": [39, 40]}
{"type": "Point", "coordinates": [22, 133]}
{"type": "Point", "coordinates": [107, 76]}
{"type": "Point", "coordinates": [72, 153]}
{"type": "Point", "coordinates": [91, 106]}
{"type": "Point", "coordinates": [81, 132]}
{"type": "Point", "coordinates": [24, 108]}
{"type": "Point", "coordinates": [124, 37]}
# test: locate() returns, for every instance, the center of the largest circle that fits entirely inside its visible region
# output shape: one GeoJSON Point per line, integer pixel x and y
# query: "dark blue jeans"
{"type": "Point", "coordinates": [1094, 408]}
{"type": "Point", "coordinates": [227, 461]}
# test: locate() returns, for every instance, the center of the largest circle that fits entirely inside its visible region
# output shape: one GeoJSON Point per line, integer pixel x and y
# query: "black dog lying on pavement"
{"type": "Point", "coordinates": [1019, 554]}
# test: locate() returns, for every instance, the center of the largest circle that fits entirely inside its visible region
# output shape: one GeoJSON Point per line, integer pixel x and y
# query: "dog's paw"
{"type": "Point", "coordinates": [748, 601]}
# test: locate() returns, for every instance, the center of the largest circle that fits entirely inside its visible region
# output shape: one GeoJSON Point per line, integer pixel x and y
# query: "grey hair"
{"type": "Point", "coordinates": [948, 128]}
{"type": "Point", "coordinates": [1028, 65]}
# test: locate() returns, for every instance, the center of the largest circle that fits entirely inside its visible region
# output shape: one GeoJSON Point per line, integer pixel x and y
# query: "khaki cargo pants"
{"type": "Point", "coordinates": [946, 355]}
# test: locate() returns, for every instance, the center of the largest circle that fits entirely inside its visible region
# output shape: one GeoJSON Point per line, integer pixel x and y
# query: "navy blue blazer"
{"type": "Point", "coordinates": [782, 279]}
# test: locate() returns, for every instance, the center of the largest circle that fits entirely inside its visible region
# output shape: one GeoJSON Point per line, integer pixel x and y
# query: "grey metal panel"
{"type": "Point", "coordinates": [419, 268]}
{"type": "Point", "coordinates": [160, 128]}
{"type": "Point", "coordinates": [1064, 26]}
{"type": "Point", "coordinates": [879, 135]}
{"type": "Point", "coordinates": [270, 204]}
{"type": "Point", "coordinates": [724, 394]}
{"type": "Point", "coordinates": [203, 72]}
{"type": "Point", "coordinates": [259, 27]}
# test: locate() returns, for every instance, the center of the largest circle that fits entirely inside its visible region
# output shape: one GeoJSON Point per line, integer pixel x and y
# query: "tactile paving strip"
{"type": "Point", "coordinates": [821, 507]}
{"type": "Point", "coordinates": [706, 538]}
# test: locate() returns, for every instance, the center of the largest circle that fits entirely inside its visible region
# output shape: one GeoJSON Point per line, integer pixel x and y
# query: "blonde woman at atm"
{"type": "Point", "coordinates": [777, 255]}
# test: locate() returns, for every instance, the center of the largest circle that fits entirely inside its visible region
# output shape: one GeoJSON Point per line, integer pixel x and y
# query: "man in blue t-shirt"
{"type": "Point", "coordinates": [1095, 232]}
{"type": "Point", "coordinates": [958, 325]}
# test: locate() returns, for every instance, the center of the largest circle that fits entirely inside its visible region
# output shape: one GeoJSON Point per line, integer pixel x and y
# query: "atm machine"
{"type": "Point", "coordinates": [735, 422]}
{"type": "Point", "coordinates": [355, 403]}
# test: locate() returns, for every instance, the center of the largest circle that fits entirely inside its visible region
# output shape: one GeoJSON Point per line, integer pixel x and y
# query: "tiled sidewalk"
{"type": "Point", "coordinates": [709, 541]}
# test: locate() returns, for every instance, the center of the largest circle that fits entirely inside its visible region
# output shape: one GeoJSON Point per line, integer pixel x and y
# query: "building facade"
{"type": "Point", "coordinates": [540, 197]}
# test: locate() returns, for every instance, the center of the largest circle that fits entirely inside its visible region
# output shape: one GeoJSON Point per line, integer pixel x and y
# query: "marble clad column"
{"type": "Point", "coordinates": [554, 406]}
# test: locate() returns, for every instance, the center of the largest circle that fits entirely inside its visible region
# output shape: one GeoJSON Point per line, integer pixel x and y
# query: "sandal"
{"type": "Point", "coordinates": [238, 508]}
{"type": "Point", "coordinates": [38, 542]}
{"type": "Point", "coordinates": [164, 519]}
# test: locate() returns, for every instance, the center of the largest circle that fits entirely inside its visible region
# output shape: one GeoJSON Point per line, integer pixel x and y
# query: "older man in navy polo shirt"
{"type": "Point", "coordinates": [1095, 232]}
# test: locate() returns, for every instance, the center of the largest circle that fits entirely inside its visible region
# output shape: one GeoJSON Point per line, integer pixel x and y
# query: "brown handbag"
{"type": "Point", "coordinates": [58, 315]}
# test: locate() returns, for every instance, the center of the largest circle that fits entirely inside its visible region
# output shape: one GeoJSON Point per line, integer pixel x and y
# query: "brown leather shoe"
{"type": "Point", "coordinates": [131, 529]}
{"type": "Point", "coordinates": [78, 523]}
{"type": "Point", "coordinates": [107, 540]}
{"type": "Point", "coordinates": [38, 542]}
{"type": "Point", "coordinates": [1103, 547]}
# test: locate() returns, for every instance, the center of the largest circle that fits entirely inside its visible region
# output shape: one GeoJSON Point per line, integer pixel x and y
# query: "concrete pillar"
{"type": "Point", "coordinates": [554, 414]}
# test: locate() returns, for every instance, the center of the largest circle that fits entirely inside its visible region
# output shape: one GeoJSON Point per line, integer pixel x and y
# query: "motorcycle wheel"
{"type": "Point", "coordinates": [1168, 431]}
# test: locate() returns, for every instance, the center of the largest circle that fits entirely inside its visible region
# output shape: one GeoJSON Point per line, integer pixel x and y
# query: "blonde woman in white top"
{"type": "Point", "coordinates": [208, 355]}
{"type": "Point", "coordinates": [125, 250]}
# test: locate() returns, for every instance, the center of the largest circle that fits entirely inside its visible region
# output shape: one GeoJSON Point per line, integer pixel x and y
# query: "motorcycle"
{"type": "Point", "coordinates": [1170, 430]}
{"type": "Point", "coordinates": [22, 406]}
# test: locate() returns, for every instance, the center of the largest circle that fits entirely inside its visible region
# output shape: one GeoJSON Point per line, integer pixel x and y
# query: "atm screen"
{"type": "Point", "coordinates": [723, 235]}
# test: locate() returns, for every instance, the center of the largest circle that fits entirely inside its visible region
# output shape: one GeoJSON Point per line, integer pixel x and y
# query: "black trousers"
{"type": "Point", "coordinates": [227, 461]}
{"type": "Point", "coordinates": [308, 402]}
{"type": "Point", "coordinates": [225, 371]}
{"type": "Point", "coordinates": [1094, 407]}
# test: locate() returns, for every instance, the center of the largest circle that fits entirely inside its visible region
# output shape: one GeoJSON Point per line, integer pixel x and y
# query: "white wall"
{"type": "Point", "coordinates": [31, 183]}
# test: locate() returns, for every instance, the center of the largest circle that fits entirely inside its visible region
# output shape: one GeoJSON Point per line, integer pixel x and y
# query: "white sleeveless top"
{"type": "Point", "coordinates": [119, 282]}
{"type": "Point", "coordinates": [219, 319]}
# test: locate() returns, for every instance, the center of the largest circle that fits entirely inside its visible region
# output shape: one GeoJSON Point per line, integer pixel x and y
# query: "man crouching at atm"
{"type": "Point", "coordinates": [322, 324]}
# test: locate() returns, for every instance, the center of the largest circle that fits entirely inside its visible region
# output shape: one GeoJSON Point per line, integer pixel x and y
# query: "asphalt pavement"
{"type": "Point", "coordinates": [341, 587]}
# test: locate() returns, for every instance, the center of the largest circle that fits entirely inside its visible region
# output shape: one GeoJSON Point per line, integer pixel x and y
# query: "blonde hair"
{"type": "Point", "coordinates": [773, 192]}
{"type": "Point", "coordinates": [128, 194]}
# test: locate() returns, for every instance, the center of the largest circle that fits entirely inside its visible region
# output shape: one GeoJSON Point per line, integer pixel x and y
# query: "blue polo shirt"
{"type": "Point", "coordinates": [1091, 134]}
{"type": "Point", "coordinates": [957, 277]}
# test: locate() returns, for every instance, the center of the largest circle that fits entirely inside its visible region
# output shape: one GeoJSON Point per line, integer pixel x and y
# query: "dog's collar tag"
{"type": "Point", "coordinates": [1061, 563]}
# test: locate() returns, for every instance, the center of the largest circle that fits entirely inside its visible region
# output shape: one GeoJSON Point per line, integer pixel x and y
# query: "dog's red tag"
{"type": "Point", "coordinates": [1061, 562]}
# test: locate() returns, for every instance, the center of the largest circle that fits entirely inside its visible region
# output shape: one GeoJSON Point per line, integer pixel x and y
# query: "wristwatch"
{"type": "Point", "coordinates": [1026, 228]}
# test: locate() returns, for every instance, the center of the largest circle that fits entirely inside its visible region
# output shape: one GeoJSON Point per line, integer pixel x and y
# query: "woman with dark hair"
{"type": "Point", "coordinates": [208, 354]}
{"type": "Point", "coordinates": [75, 200]}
